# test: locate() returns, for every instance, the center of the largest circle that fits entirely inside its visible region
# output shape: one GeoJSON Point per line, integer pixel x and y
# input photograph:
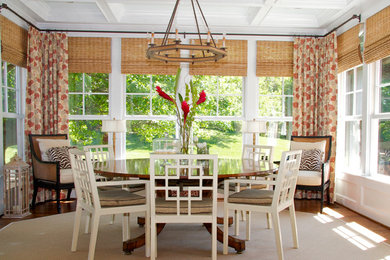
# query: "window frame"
{"type": "Point", "coordinates": [375, 72]}
{"type": "Point", "coordinates": [344, 118]}
{"type": "Point", "coordinates": [218, 117]}
{"type": "Point", "coordinates": [20, 84]}
{"type": "Point", "coordinates": [84, 93]}
{"type": "Point", "coordinates": [152, 93]}
{"type": "Point", "coordinates": [274, 119]}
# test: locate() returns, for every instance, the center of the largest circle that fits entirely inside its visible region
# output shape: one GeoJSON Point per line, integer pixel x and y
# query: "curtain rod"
{"type": "Point", "coordinates": [5, 6]}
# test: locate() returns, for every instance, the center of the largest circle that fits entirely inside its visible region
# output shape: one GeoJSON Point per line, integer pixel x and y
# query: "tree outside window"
{"type": "Point", "coordinates": [275, 107]}
{"type": "Point", "coordinates": [88, 102]}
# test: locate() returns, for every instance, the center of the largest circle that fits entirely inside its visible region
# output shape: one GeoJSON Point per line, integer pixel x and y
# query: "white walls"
{"type": "Point", "coordinates": [365, 195]}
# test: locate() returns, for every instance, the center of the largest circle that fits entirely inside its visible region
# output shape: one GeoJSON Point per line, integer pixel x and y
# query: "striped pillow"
{"type": "Point", "coordinates": [61, 155]}
{"type": "Point", "coordinates": [311, 160]}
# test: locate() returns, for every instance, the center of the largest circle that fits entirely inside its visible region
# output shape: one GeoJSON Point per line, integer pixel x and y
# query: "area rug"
{"type": "Point", "coordinates": [320, 237]}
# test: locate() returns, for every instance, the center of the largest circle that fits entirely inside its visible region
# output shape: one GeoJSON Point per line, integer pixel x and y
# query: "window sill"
{"type": "Point", "coordinates": [377, 178]}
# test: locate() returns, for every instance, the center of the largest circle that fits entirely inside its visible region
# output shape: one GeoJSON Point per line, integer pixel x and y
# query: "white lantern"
{"type": "Point", "coordinates": [16, 188]}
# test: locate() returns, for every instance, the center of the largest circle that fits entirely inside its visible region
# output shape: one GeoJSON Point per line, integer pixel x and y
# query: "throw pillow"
{"type": "Point", "coordinates": [309, 146]}
{"type": "Point", "coordinates": [61, 155]}
{"type": "Point", "coordinates": [45, 144]}
{"type": "Point", "coordinates": [311, 160]}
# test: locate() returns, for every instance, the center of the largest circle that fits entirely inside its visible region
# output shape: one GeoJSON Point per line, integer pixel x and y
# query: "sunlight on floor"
{"type": "Point", "coordinates": [366, 232]}
{"type": "Point", "coordinates": [354, 238]}
{"type": "Point", "coordinates": [323, 218]}
{"type": "Point", "coordinates": [332, 213]}
{"type": "Point", "coordinates": [385, 258]}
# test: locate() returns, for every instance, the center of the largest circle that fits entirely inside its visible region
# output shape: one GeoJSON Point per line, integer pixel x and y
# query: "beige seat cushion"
{"type": "Point", "coordinates": [66, 176]}
{"type": "Point", "coordinates": [197, 207]}
{"type": "Point", "coordinates": [252, 196]}
{"type": "Point", "coordinates": [311, 178]}
{"type": "Point", "coordinates": [118, 198]}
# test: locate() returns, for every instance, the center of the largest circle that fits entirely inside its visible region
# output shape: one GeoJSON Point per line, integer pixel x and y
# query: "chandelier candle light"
{"type": "Point", "coordinates": [185, 109]}
{"type": "Point", "coordinates": [200, 52]}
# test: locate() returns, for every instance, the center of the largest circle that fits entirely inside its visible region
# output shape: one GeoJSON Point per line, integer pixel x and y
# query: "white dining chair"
{"type": "Point", "coordinates": [104, 202]}
{"type": "Point", "coordinates": [267, 201]}
{"type": "Point", "coordinates": [254, 158]}
{"type": "Point", "coordinates": [100, 156]}
{"type": "Point", "coordinates": [183, 190]}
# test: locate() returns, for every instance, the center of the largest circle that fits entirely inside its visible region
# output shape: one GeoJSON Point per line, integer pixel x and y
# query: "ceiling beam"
{"type": "Point", "coordinates": [39, 8]}
{"type": "Point", "coordinates": [313, 4]}
{"type": "Point", "coordinates": [262, 12]}
{"type": "Point", "coordinates": [106, 10]}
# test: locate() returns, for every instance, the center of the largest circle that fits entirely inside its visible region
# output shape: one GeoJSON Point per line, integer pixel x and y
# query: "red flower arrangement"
{"type": "Point", "coordinates": [187, 111]}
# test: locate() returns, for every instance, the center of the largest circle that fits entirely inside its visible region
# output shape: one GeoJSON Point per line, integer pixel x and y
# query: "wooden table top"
{"type": "Point", "coordinates": [139, 168]}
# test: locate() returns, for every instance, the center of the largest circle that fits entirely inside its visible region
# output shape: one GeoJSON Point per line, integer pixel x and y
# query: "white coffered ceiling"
{"type": "Point", "coordinates": [223, 16]}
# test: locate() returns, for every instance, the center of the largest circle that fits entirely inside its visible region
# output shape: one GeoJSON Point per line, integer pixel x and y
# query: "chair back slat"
{"type": "Point", "coordinates": [287, 178]}
{"type": "Point", "coordinates": [84, 178]}
{"type": "Point", "coordinates": [100, 153]}
{"type": "Point", "coordinates": [183, 179]}
{"type": "Point", "coordinates": [255, 157]}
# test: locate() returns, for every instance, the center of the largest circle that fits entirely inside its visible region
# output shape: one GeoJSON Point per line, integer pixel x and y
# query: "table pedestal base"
{"type": "Point", "coordinates": [237, 244]}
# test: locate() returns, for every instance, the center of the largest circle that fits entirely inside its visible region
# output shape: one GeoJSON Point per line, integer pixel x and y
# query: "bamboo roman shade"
{"type": "Point", "coordinates": [134, 59]}
{"type": "Point", "coordinates": [348, 46]}
{"type": "Point", "coordinates": [274, 59]}
{"type": "Point", "coordinates": [235, 64]}
{"type": "Point", "coordinates": [377, 43]}
{"type": "Point", "coordinates": [89, 55]}
{"type": "Point", "coordinates": [13, 43]}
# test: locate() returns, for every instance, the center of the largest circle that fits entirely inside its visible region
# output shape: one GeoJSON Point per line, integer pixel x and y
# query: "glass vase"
{"type": "Point", "coordinates": [185, 134]}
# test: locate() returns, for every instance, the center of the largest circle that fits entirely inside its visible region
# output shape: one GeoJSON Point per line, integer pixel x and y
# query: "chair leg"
{"type": "Point", "coordinates": [76, 228]}
{"type": "Point", "coordinates": [153, 240]}
{"type": "Point", "coordinates": [147, 233]}
{"type": "Point", "coordinates": [112, 219]}
{"type": "Point", "coordinates": [243, 217]}
{"type": "Point", "coordinates": [34, 198]}
{"type": "Point", "coordinates": [58, 195]}
{"type": "Point", "coordinates": [269, 221]}
{"type": "Point", "coordinates": [322, 199]}
{"type": "Point", "coordinates": [278, 235]}
{"type": "Point", "coordinates": [225, 230]}
{"type": "Point", "coordinates": [214, 239]}
{"type": "Point", "coordinates": [68, 195]}
{"type": "Point", "coordinates": [87, 223]}
{"type": "Point", "coordinates": [293, 221]}
{"type": "Point", "coordinates": [248, 225]}
{"type": "Point", "coordinates": [236, 223]}
{"type": "Point", "coordinates": [125, 227]}
{"type": "Point", "coordinates": [93, 238]}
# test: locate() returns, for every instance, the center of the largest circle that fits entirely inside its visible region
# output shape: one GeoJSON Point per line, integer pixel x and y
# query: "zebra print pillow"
{"type": "Point", "coordinates": [311, 160]}
{"type": "Point", "coordinates": [61, 155]}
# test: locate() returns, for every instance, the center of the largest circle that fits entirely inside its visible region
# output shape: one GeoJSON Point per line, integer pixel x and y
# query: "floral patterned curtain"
{"type": "Point", "coordinates": [315, 93]}
{"type": "Point", "coordinates": [47, 90]}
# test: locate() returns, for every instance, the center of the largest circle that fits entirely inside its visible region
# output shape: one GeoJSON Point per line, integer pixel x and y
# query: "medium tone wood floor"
{"type": "Point", "coordinates": [311, 206]}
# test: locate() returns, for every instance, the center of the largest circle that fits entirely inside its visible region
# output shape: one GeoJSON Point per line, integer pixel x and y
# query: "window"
{"type": "Point", "coordinates": [142, 98]}
{"type": "Point", "coordinates": [12, 118]}
{"type": "Point", "coordinates": [219, 118]}
{"type": "Point", "coordinates": [275, 106]}
{"type": "Point", "coordinates": [88, 94]}
{"type": "Point", "coordinates": [150, 115]}
{"type": "Point", "coordinates": [88, 105]}
{"type": "Point", "coordinates": [382, 115]}
{"type": "Point", "coordinates": [224, 95]}
{"type": "Point", "coordinates": [352, 88]}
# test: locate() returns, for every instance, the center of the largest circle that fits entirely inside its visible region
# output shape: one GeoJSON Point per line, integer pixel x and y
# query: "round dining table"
{"type": "Point", "coordinates": [139, 168]}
